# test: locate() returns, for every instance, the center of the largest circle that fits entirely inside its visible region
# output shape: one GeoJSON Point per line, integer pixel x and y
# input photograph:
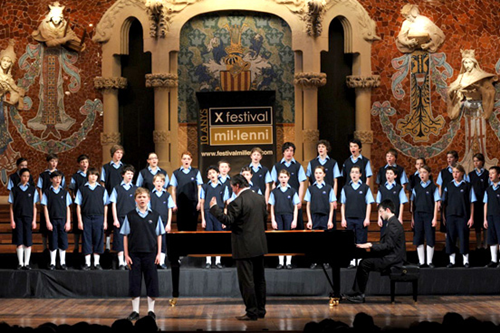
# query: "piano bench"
{"type": "Point", "coordinates": [405, 273]}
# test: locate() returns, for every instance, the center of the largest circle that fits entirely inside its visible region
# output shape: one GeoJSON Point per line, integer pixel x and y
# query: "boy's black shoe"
{"type": "Point", "coordinates": [354, 298]}
{"type": "Point", "coordinates": [64, 268]}
{"type": "Point", "coordinates": [52, 267]}
{"type": "Point", "coordinates": [122, 268]}
{"type": "Point", "coordinates": [208, 266]}
{"type": "Point", "coordinates": [98, 268]}
{"type": "Point", "coordinates": [162, 266]}
{"type": "Point", "coordinates": [133, 316]}
{"type": "Point", "coordinates": [326, 265]}
{"type": "Point", "coordinates": [431, 265]}
{"type": "Point", "coordinates": [246, 318]}
{"type": "Point", "coordinates": [288, 266]}
{"type": "Point", "coordinates": [85, 268]}
{"type": "Point", "coordinates": [313, 266]}
{"type": "Point", "coordinates": [152, 315]}
{"type": "Point", "coordinates": [27, 268]}
{"type": "Point", "coordinates": [450, 265]}
{"type": "Point", "coordinates": [279, 267]}
{"type": "Point", "coordinates": [19, 267]}
{"type": "Point", "coordinates": [492, 264]}
{"type": "Point", "coordinates": [219, 265]}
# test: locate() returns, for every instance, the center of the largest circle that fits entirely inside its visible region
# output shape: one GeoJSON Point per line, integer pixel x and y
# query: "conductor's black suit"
{"type": "Point", "coordinates": [390, 251]}
{"type": "Point", "coordinates": [246, 215]}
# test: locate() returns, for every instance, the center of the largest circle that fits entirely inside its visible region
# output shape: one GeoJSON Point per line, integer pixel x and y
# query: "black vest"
{"type": "Point", "coordinates": [227, 184]}
{"type": "Point", "coordinates": [56, 203]}
{"type": "Point", "coordinates": [424, 198]}
{"type": "Point", "coordinates": [457, 199]}
{"type": "Point", "coordinates": [283, 201]}
{"type": "Point", "coordinates": [294, 174]}
{"type": "Point", "coordinates": [79, 181]}
{"type": "Point", "coordinates": [446, 177]}
{"type": "Point", "coordinates": [92, 202]}
{"type": "Point", "coordinates": [210, 192]}
{"type": "Point", "coordinates": [147, 178]}
{"type": "Point", "coordinates": [259, 178]}
{"type": "Point", "coordinates": [46, 183]}
{"type": "Point", "coordinates": [112, 177]}
{"type": "Point", "coordinates": [382, 179]}
{"type": "Point", "coordinates": [160, 205]}
{"type": "Point", "coordinates": [187, 186]}
{"type": "Point", "coordinates": [480, 184]}
{"type": "Point", "coordinates": [393, 195]}
{"type": "Point", "coordinates": [493, 201]}
{"type": "Point", "coordinates": [142, 237]}
{"type": "Point", "coordinates": [320, 199]}
{"type": "Point", "coordinates": [356, 201]}
{"type": "Point", "coordinates": [125, 200]}
{"type": "Point", "coordinates": [348, 164]}
{"type": "Point", "coordinates": [329, 166]}
{"type": "Point", "coordinates": [23, 201]}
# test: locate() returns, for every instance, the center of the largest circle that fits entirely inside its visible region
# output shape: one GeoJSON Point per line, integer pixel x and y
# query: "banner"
{"type": "Point", "coordinates": [230, 124]}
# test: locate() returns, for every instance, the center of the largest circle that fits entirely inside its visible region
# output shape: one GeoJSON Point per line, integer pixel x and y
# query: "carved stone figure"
{"type": "Point", "coordinates": [54, 30]}
{"type": "Point", "coordinates": [418, 32]}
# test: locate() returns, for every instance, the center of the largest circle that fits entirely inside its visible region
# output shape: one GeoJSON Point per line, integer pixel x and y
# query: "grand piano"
{"type": "Point", "coordinates": [335, 247]}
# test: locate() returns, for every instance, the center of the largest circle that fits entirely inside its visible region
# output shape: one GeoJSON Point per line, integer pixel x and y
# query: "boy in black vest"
{"type": "Point", "coordinates": [186, 185]}
{"type": "Point", "coordinates": [393, 191]}
{"type": "Point", "coordinates": [122, 201]}
{"type": "Point", "coordinates": [142, 232]}
{"type": "Point", "coordinates": [356, 199]}
{"type": "Point", "coordinates": [15, 178]}
{"type": "Point", "coordinates": [56, 201]}
{"type": "Point", "coordinates": [212, 189]}
{"type": "Point", "coordinates": [492, 214]}
{"type": "Point", "coordinates": [458, 203]}
{"type": "Point", "coordinates": [260, 174]}
{"type": "Point", "coordinates": [111, 176]}
{"type": "Point", "coordinates": [92, 210]}
{"type": "Point", "coordinates": [145, 177]}
{"type": "Point", "coordinates": [479, 179]}
{"type": "Point", "coordinates": [284, 202]}
{"type": "Point", "coordinates": [425, 198]}
{"type": "Point", "coordinates": [391, 158]}
{"type": "Point", "coordinates": [78, 179]}
{"type": "Point", "coordinates": [297, 176]}
{"type": "Point", "coordinates": [357, 159]}
{"type": "Point", "coordinates": [43, 184]}
{"type": "Point", "coordinates": [23, 198]}
{"type": "Point", "coordinates": [162, 203]}
{"type": "Point", "coordinates": [225, 179]}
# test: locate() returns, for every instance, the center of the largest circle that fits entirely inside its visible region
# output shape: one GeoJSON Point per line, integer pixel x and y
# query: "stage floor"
{"type": "Point", "coordinates": [217, 314]}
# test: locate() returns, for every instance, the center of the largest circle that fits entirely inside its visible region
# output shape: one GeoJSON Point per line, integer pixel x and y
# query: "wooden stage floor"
{"type": "Point", "coordinates": [217, 314]}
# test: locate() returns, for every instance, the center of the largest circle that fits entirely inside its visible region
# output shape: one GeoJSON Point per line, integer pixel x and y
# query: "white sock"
{"type": "Point", "coordinates": [87, 260]}
{"type": "Point", "coordinates": [20, 255]}
{"type": "Point", "coordinates": [452, 258]}
{"type": "Point", "coordinates": [151, 304]}
{"type": "Point", "coordinates": [217, 260]}
{"type": "Point", "coordinates": [121, 259]}
{"type": "Point", "coordinates": [421, 254]}
{"type": "Point", "coordinates": [135, 304]}
{"type": "Point", "coordinates": [494, 253]}
{"type": "Point", "coordinates": [288, 260]}
{"type": "Point", "coordinates": [53, 257]}
{"type": "Point", "coordinates": [466, 258]}
{"type": "Point", "coordinates": [62, 257]}
{"type": "Point", "coordinates": [108, 243]}
{"type": "Point", "coordinates": [353, 262]}
{"type": "Point", "coordinates": [162, 258]}
{"type": "Point", "coordinates": [96, 259]}
{"type": "Point", "coordinates": [27, 255]}
{"type": "Point", "coordinates": [358, 261]}
{"type": "Point", "coordinates": [430, 254]}
{"type": "Point", "coordinates": [281, 260]}
{"type": "Point", "coordinates": [209, 260]}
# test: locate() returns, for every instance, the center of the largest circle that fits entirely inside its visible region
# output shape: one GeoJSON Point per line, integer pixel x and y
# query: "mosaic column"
{"type": "Point", "coordinates": [162, 135]}
{"type": "Point", "coordinates": [309, 83]}
{"type": "Point", "coordinates": [363, 86]}
{"type": "Point", "coordinates": [110, 134]}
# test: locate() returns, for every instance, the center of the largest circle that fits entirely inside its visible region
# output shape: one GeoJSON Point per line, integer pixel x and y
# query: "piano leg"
{"type": "Point", "coordinates": [334, 284]}
{"type": "Point", "coordinates": [175, 267]}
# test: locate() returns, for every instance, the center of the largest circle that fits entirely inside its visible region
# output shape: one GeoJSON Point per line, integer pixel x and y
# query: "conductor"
{"type": "Point", "coordinates": [245, 215]}
{"type": "Point", "coordinates": [391, 251]}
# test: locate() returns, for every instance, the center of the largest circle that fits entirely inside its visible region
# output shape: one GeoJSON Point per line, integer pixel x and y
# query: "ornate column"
{"type": "Point", "coordinates": [309, 133]}
{"type": "Point", "coordinates": [110, 134]}
{"type": "Point", "coordinates": [363, 86]}
{"type": "Point", "coordinates": [162, 135]}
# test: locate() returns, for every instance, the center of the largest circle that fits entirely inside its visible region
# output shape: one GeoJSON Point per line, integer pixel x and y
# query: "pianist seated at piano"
{"type": "Point", "coordinates": [389, 252]}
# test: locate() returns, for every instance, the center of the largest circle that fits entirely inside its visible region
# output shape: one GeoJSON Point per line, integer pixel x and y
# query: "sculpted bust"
{"type": "Point", "coordinates": [473, 90]}
{"type": "Point", "coordinates": [418, 32]}
{"type": "Point", "coordinates": [54, 30]}
{"type": "Point", "coordinates": [7, 83]}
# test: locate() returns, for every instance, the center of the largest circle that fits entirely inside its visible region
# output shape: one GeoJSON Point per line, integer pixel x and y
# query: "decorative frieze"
{"type": "Point", "coordinates": [162, 80]}
{"type": "Point", "coordinates": [106, 83]}
{"type": "Point", "coordinates": [310, 80]}
{"type": "Point", "coordinates": [364, 136]}
{"type": "Point", "coordinates": [310, 135]}
{"type": "Point", "coordinates": [161, 136]}
{"type": "Point", "coordinates": [110, 138]}
{"type": "Point", "coordinates": [358, 81]}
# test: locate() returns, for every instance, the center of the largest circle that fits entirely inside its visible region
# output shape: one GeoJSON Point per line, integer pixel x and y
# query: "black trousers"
{"type": "Point", "coordinates": [252, 282]}
{"type": "Point", "coordinates": [363, 272]}
{"type": "Point", "coordinates": [143, 263]}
